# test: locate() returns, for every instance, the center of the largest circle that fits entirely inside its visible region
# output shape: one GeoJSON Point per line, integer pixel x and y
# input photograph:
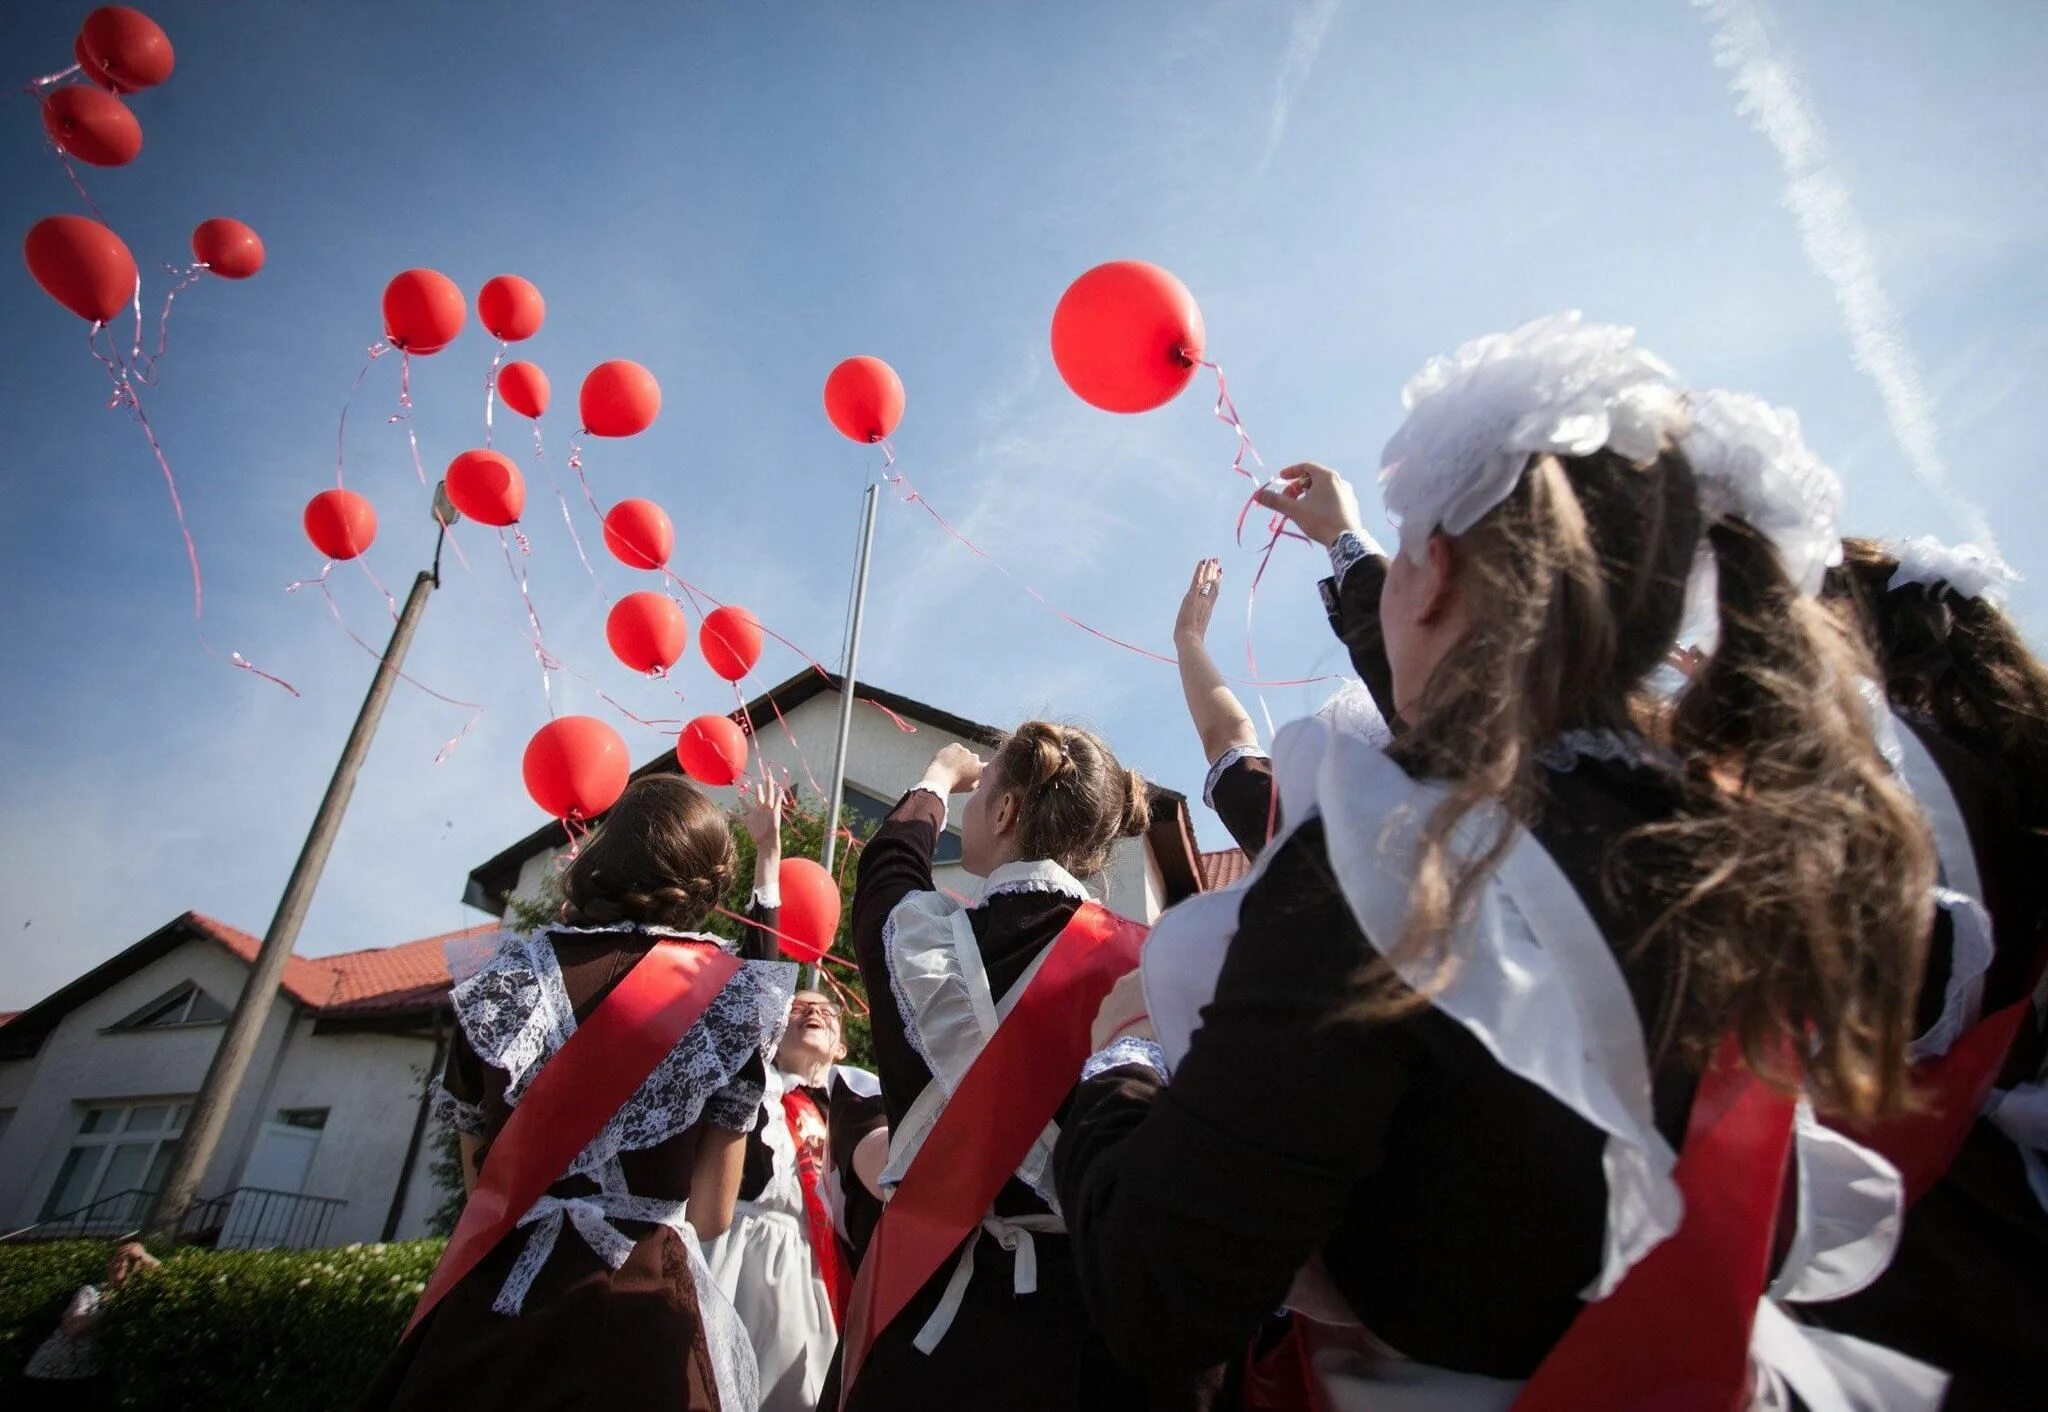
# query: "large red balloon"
{"type": "Point", "coordinates": [341, 523]}
{"type": "Point", "coordinates": [511, 308]}
{"type": "Point", "coordinates": [227, 248]}
{"type": "Point", "coordinates": [639, 534]}
{"type": "Point", "coordinates": [92, 125]}
{"type": "Point", "coordinates": [82, 265]}
{"type": "Point", "coordinates": [576, 767]}
{"type": "Point", "coordinates": [731, 639]}
{"type": "Point", "coordinates": [712, 750]}
{"type": "Point", "coordinates": [524, 388]}
{"type": "Point", "coordinates": [809, 919]}
{"type": "Point", "coordinates": [647, 631]}
{"type": "Point", "coordinates": [486, 486]}
{"type": "Point", "coordinates": [864, 398]}
{"type": "Point", "coordinates": [619, 398]}
{"type": "Point", "coordinates": [423, 311]}
{"type": "Point", "coordinates": [123, 49]}
{"type": "Point", "coordinates": [1127, 336]}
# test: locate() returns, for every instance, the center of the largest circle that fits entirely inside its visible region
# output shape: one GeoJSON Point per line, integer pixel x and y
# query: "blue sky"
{"type": "Point", "coordinates": [740, 195]}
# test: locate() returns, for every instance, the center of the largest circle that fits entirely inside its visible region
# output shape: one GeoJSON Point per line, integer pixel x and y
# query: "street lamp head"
{"type": "Point", "coordinates": [445, 513]}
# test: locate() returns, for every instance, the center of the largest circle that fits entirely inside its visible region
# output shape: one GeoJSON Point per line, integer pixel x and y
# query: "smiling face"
{"type": "Point", "coordinates": [815, 1038]}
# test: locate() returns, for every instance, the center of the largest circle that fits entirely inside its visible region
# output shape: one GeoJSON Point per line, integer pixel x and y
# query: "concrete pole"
{"type": "Point", "coordinates": [846, 682]}
{"type": "Point", "coordinates": [230, 1064]}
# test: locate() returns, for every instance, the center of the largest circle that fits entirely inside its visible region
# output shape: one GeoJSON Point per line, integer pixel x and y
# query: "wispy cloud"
{"type": "Point", "coordinates": [1768, 93]}
{"type": "Point", "coordinates": [1305, 33]}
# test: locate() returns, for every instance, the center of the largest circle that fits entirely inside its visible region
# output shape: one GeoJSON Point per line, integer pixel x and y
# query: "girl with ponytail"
{"type": "Point", "coordinates": [1000, 1323]}
{"type": "Point", "coordinates": [1968, 732]}
{"type": "Point", "coordinates": [1452, 1027]}
{"type": "Point", "coordinates": [603, 1276]}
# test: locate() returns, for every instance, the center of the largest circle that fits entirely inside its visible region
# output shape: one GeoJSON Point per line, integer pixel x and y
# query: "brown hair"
{"type": "Point", "coordinates": [664, 856]}
{"type": "Point", "coordinates": [1794, 903]}
{"type": "Point", "coordinates": [1954, 661]}
{"type": "Point", "coordinates": [1074, 799]}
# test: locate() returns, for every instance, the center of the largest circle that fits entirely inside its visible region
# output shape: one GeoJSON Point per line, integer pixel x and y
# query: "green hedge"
{"type": "Point", "coordinates": [230, 1329]}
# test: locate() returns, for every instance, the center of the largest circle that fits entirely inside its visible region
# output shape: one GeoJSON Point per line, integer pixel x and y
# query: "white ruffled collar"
{"type": "Point", "coordinates": [1033, 875]}
{"type": "Point", "coordinates": [644, 928]}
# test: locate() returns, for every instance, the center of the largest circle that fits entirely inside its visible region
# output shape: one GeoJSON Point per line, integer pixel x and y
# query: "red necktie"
{"type": "Point", "coordinates": [801, 1114]}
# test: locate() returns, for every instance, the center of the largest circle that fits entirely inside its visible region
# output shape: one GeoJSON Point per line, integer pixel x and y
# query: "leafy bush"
{"type": "Point", "coordinates": [272, 1329]}
{"type": "Point", "coordinates": [36, 1282]}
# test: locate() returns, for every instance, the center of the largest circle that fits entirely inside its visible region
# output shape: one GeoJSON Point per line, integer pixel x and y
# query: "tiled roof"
{"type": "Point", "coordinates": [355, 983]}
{"type": "Point", "coordinates": [6, 1015]}
{"type": "Point", "coordinates": [1223, 867]}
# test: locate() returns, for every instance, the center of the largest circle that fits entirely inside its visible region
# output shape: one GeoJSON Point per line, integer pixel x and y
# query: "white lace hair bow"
{"type": "Point", "coordinates": [1751, 461]}
{"type": "Point", "coordinates": [1967, 570]}
{"type": "Point", "coordinates": [1477, 417]}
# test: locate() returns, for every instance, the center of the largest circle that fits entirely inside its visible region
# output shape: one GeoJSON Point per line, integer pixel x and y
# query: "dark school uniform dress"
{"type": "Point", "coordinates": [1459, 1209]}
{"type": "Point", "coordinates": [1968, 1288]}
{"type": "Point", "coordinates": [570, 1328]}
{"type": "Point", "coordinates": [1002, 1349]}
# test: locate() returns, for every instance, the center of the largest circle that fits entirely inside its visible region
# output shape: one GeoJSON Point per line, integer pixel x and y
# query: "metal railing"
{"type": "Point", "coordinates": [247, 1218]}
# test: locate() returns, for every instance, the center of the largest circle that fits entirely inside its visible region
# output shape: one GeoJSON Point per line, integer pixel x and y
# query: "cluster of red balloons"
{"type": "Point", "coordinates": [80, 263]}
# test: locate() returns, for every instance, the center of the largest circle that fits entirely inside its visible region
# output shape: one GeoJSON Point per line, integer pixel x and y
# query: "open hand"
{"type": "Point", "coordinates": [1191, 628]}
{"type": "Point", "coordinates": [761, 812]}
{"type": "Point", "coordinates": [1319, 501]}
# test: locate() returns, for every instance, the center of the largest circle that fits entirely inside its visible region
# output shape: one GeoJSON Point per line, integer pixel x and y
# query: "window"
{"type": "Point", "coordinates": [868, 811]}
{"type": "Point", "coordinates": [314, 1118]}
{"type": "Point", "coordinates": [184, 1005]}
{"type": "Point", "coordinates": [119, 1148]}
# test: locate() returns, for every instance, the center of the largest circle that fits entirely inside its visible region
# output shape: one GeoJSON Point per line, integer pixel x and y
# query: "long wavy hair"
{"type": "Point", "coordinates": [1790, 886]}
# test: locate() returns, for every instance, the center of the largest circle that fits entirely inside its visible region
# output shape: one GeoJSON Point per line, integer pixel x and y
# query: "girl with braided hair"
{"type": "Point", "coordinates": [1000, 1324]}
{"type": "Point", "coordinates": [600, 1297]}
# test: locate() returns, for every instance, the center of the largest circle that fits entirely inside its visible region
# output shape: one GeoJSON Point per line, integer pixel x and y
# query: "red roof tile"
{"type": "Point", "coordinates": [1222, 868]}
{"type": "Point", "coordinates": [366, 982]}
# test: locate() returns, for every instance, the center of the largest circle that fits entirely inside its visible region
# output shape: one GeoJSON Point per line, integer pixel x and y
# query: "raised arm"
{"type": "Point", "coordinates": [1239, 786]}
{"type": "Point", "coordinates": [1322, 505]}
{"type": "Point", "coordinates": [761, 812]}
{"type": "Point", "coordinates": [895, 862]}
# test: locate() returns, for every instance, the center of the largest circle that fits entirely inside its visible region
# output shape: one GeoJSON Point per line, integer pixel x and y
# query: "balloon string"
{"type": "Point", "coordinates": [540, 652]}
{"type": "Point", "coordinates": [327, 592]}
{"type": "Point", "coordinates": [47, 80]}
{"type": "Point", "coordinates": [790, 736]}
{"type": "Point", "coordinates": [186, 278]}
{"type": "Point", "coordinates": [848, 999]}
{"type": "Point", "coordinates": [491, 390]}
{"type": "Point", "coordinates": [79, 186]}
{"type": "Point", "coordinates": [555, 484]}
{"type": "Point", "coordinates": [404, 414]}
{"type": "Point", "coordinates": [390, 603]}
{"type": "Point", "coordinates": [375, 351]}
{"type": "Point", "coordinates": [125, 395]}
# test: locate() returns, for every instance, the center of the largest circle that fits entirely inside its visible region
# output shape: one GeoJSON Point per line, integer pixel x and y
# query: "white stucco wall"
{"type": "Point", "coordinates": [884, 761]}
{"type": "Point", "coordinates": [369, 1083]}
{"type": "Point", "coordinates": [77, 1064]}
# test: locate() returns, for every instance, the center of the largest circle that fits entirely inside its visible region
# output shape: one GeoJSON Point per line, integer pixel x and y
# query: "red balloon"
{"type": "Point", "coordinates": [82, 265]}
{"type": "Point", "coordinates": [341, 523]}
{"type": "Point", "coordinates": [511, 308]}
{"type": "Point", "coordinates": [647, 631]}
{"type": "Point", "coordinates": [123, 49]}
{"type": "Point", "coordinates": [92, 125]}
{"type": "Point", "coordinates": [227, 248]}
{"type": "Point", "coordinates": [1127, 336]}
{"type": "Point", "coordinates": [864, 398]}
{"type": "Point", "coordinates": [712, 750]}
{"type": "Point", "coordinates": [619, 399]}
{"type": "Point", "coordinates": [639, 535]}
{"type": "Point", "coordinates": [809, 919]}
{"type": "Point", "coordinates": [524, 388]}
{"type": "Point", "coordinates": [731, 638]}
{"type": "Point", "coordinates": [486, 486]}
{"type": "Point", "coordinates": [576, 767]}
{"type": "Point", "coordinates": [423, 311]}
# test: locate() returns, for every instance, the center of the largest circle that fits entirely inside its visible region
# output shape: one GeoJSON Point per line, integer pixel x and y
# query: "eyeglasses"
{"type": "Point", "coordinates": [804, 1009]}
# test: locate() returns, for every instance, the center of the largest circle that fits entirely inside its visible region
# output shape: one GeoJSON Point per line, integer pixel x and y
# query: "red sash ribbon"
{"type": "Point", "coordinates": [1953, 1086]}
{"type": "Point", "coordinates": [575, 1094]}
{"type": "Point", "coordinates": [1675, 1333]}
{"type": "Point", "coordinates": [796, 1108]}
{"type": "Point", "coordinates": [1008, 1095]}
